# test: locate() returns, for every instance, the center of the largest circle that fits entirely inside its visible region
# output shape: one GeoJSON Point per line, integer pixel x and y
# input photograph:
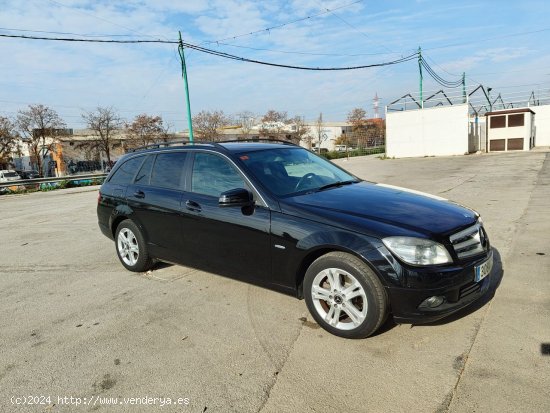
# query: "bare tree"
{"type": "Point", "coordinates": [300, 131]}
{"type": "Point", "coordinates": [104, 122]}
{"type": "Point", "coordinates": [166, 134]}
{"type": "Point", "coordinates": [246, 120]}
{"type": "Point", "coordinates": [320, 133]}
{"type": "Point", "coordinates": [145, 130]}
{"type": "Point", "coordinates": [273, 123]}
{"type": "Point", "coordinates": [8, 140]}
{"type": "Point", "coordinates": [207, 124]}
{"type": "Point", "coordinates": [40, 127]}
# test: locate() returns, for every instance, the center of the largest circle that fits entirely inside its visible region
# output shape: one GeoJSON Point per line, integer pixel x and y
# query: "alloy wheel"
{"type": "Point", "coordinates": [128, 246]}
{"type": "Point", "coordinates": [339, 298]}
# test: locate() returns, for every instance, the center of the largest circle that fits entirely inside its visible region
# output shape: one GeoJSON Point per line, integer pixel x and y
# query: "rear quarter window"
{"type": "Point", "coordinates": [144, 174]}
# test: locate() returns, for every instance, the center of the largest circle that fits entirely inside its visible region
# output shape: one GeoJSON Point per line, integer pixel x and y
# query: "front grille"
{"type": "Point", "coordinates": [469, 242]}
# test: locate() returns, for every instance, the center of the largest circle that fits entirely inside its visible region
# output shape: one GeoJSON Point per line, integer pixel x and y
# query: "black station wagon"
{"type": "Point", "coordinates": [280, 216]}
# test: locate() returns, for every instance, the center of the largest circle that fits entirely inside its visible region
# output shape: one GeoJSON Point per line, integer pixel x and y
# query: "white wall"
{"type": "Point", "coordinates": [542, 124]}
{"type": "Point", "coordinates": [435, 131]}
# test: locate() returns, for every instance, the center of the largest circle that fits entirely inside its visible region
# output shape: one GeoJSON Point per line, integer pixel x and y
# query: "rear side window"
{"type": "Point", "coordinates": [126, 172]}
{"type": "Point", "coordinates": [213, 175]}
{"type": "Point", "coordinates": [168, 170]}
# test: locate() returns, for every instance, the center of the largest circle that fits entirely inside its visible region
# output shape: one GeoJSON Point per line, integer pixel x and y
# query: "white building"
{"type": "Point", "coordinates": [324, 137]}
{"type": "Point", "coordinates": [510, 130]}
{"type": "Point", "coordinates": [455, 130]}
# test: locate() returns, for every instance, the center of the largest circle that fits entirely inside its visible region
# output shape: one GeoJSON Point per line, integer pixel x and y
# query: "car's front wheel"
{"type": "Point", "coordinates": [344, 295]}
{"type": "Point", "coordinates": [131, 248]}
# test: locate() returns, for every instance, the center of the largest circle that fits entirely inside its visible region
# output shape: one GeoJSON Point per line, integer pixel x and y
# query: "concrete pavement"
{"type": "Point", "coordinates": [75, 323]}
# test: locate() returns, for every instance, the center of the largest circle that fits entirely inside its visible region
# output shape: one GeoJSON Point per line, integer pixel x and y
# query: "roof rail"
{"type": "Point", "coordinates": [259, 140]}
{"type": "Point", "coordinates": [173, 143]}
{"type": "Point", "coordinates": [201, 143]}
{"type": "Point", "coordinates": [158, 145]}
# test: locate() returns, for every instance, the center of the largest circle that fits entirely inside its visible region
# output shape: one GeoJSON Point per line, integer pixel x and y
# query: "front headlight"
{"type": "Point", "coordinates": [418, 251]}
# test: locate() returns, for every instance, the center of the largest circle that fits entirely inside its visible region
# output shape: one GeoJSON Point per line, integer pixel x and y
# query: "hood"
{"type": "Point", "coordinates": [365, 202]}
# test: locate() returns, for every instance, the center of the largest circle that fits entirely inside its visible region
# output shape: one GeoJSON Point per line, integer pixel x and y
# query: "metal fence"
{"type": "Point", "coordinates": [39, 181]}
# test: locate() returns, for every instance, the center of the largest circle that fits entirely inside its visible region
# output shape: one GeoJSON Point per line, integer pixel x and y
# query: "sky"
{"type": "Point", "coordinates": [503, 45]}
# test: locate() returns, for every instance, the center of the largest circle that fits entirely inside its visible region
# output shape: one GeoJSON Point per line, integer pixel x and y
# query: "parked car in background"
{"type": "Point", "coordinates": [8, 175]}
{"type": "Point", "coordinates": [28, 174]}
{"type": "Point", "coordinates": [282, 217]}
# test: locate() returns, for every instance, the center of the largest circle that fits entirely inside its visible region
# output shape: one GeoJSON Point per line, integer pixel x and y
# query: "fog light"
{"type": "Point", "coordinates": [433, 301]}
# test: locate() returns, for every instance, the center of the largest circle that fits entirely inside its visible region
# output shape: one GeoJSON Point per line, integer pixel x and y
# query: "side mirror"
{"type": "Point", "coordinates": [238, 197]}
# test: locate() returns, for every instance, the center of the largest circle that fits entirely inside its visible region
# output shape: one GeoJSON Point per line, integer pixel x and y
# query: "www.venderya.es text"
{"type": "Point", "coordinates": [96, 400]}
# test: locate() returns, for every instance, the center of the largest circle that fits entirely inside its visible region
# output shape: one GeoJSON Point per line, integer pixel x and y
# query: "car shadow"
{"type": "Point", "coordinates": [388, 325]}
{"type": "Point", "coordinates": [496, 278]}
{"type": "Point", "coordinates": [159, 265]}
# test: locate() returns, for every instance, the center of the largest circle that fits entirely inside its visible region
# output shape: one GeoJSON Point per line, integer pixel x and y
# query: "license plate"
{"type": "Point", "coordinates": [484, 269]}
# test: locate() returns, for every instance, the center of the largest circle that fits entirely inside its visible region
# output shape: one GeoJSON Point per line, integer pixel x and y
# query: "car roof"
{"type": "Point", "coordinates": [233, 146]}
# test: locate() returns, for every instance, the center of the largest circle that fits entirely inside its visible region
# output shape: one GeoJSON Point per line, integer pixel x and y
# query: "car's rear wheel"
{"type": "Point", "coordinates": [131, 247]}
{"type": "Point", "coordinates": [344, 295]}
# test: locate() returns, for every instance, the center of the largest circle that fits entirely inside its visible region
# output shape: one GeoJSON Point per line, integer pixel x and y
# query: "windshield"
{"type": "Point", "coordinates": [292, 171]}
{"type": "Point", "coordinates": [10, 175]}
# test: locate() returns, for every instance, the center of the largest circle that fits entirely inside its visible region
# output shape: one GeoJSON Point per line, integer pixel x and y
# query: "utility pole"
{"type": "Point", "coordinates": [184, 74]}
{"type": "Point", "coordinates": [420, 69]}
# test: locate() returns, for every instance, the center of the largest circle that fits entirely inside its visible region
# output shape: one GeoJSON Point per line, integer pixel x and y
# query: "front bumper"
{"type": "Point", "coordinates": [405, 302]}
{"type": "Point", "coordinates": [407, 286]}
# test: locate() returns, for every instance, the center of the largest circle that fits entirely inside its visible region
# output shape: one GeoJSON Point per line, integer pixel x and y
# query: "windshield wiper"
{"type": "Point", "coordinates": [336, 184]}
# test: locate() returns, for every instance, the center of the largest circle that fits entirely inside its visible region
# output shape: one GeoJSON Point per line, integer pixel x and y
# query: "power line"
{"type": "Point", "coordinates": [212, 52]}
{"type": "Point", "coordinates": [209, 42]}
{"type": "Point", "coordinates": [305, 53]}
{"type": "Point", "coordinates": [229, 56]}
{"type": "Point", "coordinates": [72, 39]}
{"type": "Point", "coordinates": [439, 79]}
{"type": "Point", "coordinates": [64, 33]}
{"type": "Point", "coordinates": [268, 29]}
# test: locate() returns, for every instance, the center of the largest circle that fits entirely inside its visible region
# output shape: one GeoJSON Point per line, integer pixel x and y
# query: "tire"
{"type": "Point", "coordinates": [355, 305]}
{"type": "Point", "coordinates": [131, 247]}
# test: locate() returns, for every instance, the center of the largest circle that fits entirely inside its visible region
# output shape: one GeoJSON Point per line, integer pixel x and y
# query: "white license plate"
{"type": "Point", "coordinates": [484, 269]}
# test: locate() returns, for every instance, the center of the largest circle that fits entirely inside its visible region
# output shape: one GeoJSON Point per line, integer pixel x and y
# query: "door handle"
{"type": "Point", "coordinates": [193, 206]}
{"type": "Point", "coordinates": [139, 194]}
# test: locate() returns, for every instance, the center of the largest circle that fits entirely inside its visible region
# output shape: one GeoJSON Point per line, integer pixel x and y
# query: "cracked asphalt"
{"type": "Point", "coordinates": [75, 323]}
